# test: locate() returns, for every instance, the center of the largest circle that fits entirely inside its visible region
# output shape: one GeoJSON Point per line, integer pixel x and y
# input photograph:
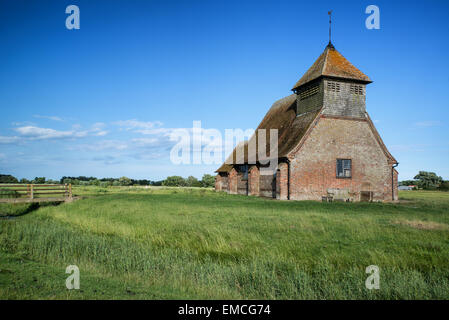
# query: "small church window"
{"type": "Point", "coordinates": [333, 86]}
{"type": "Point", "coordinates": [344, 167]}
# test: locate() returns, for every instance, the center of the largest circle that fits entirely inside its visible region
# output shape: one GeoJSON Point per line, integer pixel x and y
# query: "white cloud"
{"type": "Point", "coordinates": [427, 124]}
{"type": "Point", "coordinates": [23, 123]}
{"type": "Point", "coordinates": [37, 133]}
{"type": "Point", "coordinates": [108, 160]}
{"type": "Point", "coordinates": [101, 146]}
{"type": "Point", "coordinates": [101, 133]}
{"type": "Point", "coordinates": [135, 124]}
{"type": "Point", "coordinates": [8, 140]}
{"type": "Point", "coordinates": [97, 128]}
{"type": "Point", "coordinates": [161, 141]}
{"type": "Point", "coordinates": [54, 118]}
{"type": "Point", "coordinates": [98, 125]}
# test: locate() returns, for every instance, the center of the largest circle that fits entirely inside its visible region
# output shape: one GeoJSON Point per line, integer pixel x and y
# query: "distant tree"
{"type": "Point", "coordinates": [428, 180]}
{"type": "Point", "coordinates": [67, 181]}
{"type": "Point", "coordinates": [116, 183]}
{"type": "Point", "coordinates": [94, 182]}
{"type": "Point", "coordinates": [191, 181]}
{"type": "Point", "coordinates": [124, 181]}
{"type": "Point", "coordinates": [38, 180]}
{"type": "Point", "coordinates": [51, 181]}
{"type": "Point", "coordinates": [208, 181]}
{"type": "Point", "coordinates": [25, 181]}
{"type": "Point", "coordinates": [142, 182]}
{"type": "Point", "coordinates": [7, 178]}
{"type": "Point", "coordinates": [105, 184]}
{"type": "Point", "coordinates": [156, 183]}
{"type": "Point", "coordinates": [174, 181]}
{"type": "Point", "coordinates": [408, 183]}
{"type": "Point", "coordinates": [444, 186]}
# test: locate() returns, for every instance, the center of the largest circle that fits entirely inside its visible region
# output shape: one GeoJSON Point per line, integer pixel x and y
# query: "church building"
{"type": "Point", "coordinates": [328, 146]}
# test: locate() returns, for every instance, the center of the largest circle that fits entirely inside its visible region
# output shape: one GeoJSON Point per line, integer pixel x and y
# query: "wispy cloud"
{"type": "Point", "coordinates": [108, 160]}
{"type": "Point", "coordinates": [143, 127]}
{"type": "Point", "coordinates": [54, 118]}
{"type": "Point", "coordinates": [37, 133]}
{"type": "Point", "coordinates": [32, 132]}
{"type": "Point", "coordinates": [101, 133]}
{"type": "Point", "coordinates": [103, 145]}
{"type": "Point", "coordinates": [98, 129]}
{"type": "Point", "coordinates": [8, 140]}
{"type": "Point", "coordinates": [23, 123]}
{"type": "Point", "coordinates": [427, 124]}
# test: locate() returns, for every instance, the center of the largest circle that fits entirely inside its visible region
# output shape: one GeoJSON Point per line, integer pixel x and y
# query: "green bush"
{"type": "Point", "coordinates": [174, 181]}
{"type": "Point", "coordinates": [7, 178]}
{"type": "Point", "coordinates": [6, 193]}
{"type": "Point", "coordinates": [208, 181]}
{"type": "Point", "coordinates": [444, 186]}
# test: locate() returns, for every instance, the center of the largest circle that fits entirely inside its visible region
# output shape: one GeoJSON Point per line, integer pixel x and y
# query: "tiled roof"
{"type": "Point", "coordinates": [332, 64]}
{"type": "Point", "coordinates": [291, 128]}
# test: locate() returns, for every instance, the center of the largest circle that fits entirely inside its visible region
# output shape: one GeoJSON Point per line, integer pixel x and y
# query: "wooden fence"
{"type": "Point", "coordinates": [35, 192]}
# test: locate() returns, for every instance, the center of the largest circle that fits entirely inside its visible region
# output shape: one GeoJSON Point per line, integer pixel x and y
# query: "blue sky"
{"type": "Point", "coordinates": [100, 101]}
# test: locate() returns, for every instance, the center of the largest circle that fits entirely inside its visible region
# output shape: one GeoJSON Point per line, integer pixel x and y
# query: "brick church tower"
{"type": "Point", "coordinates": [328, 147]}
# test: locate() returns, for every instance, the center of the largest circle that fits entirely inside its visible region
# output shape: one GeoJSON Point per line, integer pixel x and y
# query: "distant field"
{"type": "Point", "coordinates": [173, 243]}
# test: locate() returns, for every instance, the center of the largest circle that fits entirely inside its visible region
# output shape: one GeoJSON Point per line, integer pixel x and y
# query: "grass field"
{"type": "Point", "coordinates": [162, 243]}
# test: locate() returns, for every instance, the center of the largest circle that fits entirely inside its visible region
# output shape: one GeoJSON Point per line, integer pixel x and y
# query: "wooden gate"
{"type": "Point", "coordinates": [14, 193]}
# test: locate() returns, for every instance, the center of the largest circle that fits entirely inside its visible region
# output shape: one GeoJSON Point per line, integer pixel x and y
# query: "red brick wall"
{"type": "Point", "coordinates": [395, 183]}
{"type": "Point", "coordinates": [254, 181]}
{"type": "Point", "coordinates": [242, 185]}
{"type": "Point", "coordinates": [232, 181]}
{"type": "Point", "coordinates": [221, 182]}
{"type": "Point", "coordinates": [218, 183]}
{"type": "Point", "coordinates": [313, 167]}
{"type": "Point", "coordinates": [282, 181]}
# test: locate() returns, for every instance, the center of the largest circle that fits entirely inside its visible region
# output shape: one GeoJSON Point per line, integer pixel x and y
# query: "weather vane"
{"type": "Point", "coordinates": [330, 24]}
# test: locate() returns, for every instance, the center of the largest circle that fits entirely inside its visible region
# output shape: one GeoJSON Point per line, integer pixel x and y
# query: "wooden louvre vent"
{"type": "Point", "coordinates": [309, 92]}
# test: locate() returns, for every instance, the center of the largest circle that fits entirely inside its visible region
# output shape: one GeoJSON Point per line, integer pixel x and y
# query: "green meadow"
{"type": "Point", "coordinates": [180, 243]}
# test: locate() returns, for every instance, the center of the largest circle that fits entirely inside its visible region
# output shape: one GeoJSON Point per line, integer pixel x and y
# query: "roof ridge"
{"type": "Point", "coordinates": [325, 58]}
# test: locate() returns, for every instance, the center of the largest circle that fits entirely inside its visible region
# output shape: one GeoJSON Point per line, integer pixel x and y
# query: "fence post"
{"type": "Point", "coordinates": [70, 191]}
{"type": "Point", "coordinates": [31, 192]}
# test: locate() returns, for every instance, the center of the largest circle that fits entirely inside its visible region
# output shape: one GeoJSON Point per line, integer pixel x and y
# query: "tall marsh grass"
{"type": "Point", "coordinates": [193, 243]}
